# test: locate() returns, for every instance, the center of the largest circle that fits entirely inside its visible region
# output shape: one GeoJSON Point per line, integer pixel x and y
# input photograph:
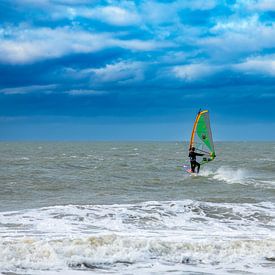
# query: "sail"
{"type": "Point", "coordinates": [201, 138]}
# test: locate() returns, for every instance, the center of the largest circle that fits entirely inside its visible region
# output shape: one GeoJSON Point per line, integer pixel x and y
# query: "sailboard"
{"type": "Point", "coordinates": [201, 138]}
{"type": "Point", "coordinates": [194, 174]}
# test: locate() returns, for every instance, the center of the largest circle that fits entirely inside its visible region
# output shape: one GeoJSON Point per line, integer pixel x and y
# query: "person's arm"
{"type": "Point", "coordinates": [198, 154]}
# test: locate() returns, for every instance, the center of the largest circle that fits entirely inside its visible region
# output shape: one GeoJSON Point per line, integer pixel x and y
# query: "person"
{"type": "Point", "coordinates": [193, 161]}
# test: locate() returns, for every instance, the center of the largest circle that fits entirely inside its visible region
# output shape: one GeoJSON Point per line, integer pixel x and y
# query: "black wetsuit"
{"type": "Point", "coordinates": [193, 161]}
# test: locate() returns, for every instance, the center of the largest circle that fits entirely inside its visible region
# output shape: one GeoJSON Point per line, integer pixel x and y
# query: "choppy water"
{"type": "Point", "coordinates": [130, 208]}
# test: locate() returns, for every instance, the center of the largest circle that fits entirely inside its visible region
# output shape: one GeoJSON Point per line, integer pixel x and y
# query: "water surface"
{"type": "Point", "coordinates": [130, 208]}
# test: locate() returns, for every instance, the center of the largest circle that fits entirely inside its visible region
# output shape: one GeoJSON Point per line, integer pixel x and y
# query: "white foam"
{"type": "Point", "coordinates": [230, 175]}
{"type": "Point", "coordinates": [109, 249]}
{"type": "Point", "coordinates": [134, 154]}
{"type": "Point", "coordinates": [179, 215]}
{"type": "Point", "coordinates": [238, 175]}
{"type": "Point", "coordinates": [269, 184]}
{"type": "Point", "coordinates": [133, 236]}
{"type": "Point", "coordinates": [21, 158]}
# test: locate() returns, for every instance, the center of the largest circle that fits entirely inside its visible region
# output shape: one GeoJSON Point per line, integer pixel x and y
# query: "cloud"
{"type": "Point", "coordinates": [121, 72]}
{"type": "Point", "coordinates": [157, 13]}
{"type": "Point", "coordinates": [263, 65]}
{"type": "Point", "coordinates": [259, 65]}
{"type": "Point", "coordinates": [119, 13]}
{"type": "Point", "coordinates": [237, 38]}
{"type": "Point", "coordinates": [112, 15]}
{"type": "Point", "coordinates": [25, 45]}
{"type": "Point", "coordinates": [154, 13]}
{"type": "Point", "coordinates": [29, 89]}
{"type": "Point", "coordinates": [256, 5]}
{"type": "Point", "coordinates": [198, 4]}
{"type": "Point", "coordinates": [265, 5]}
{"type": "Point", "coordinates": [81, 92]}
{"type": "Point", "coordinates": [194, 72]}
{"type": "Point", "coordinates": [238, 25]}
{"type": "Point", "coordinates": [116, 16]}
{"type": "Point", "coordinates": [50, 4]}
{"type": "Point", "coordinates": [110, 75]}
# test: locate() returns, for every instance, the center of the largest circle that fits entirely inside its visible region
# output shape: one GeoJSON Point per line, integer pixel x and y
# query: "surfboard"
{"type": "Point", "coordinates": [189, 171]}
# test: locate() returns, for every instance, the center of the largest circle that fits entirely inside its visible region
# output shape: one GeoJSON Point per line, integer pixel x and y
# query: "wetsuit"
{"type": "Point", "coordinates": [193, 161]}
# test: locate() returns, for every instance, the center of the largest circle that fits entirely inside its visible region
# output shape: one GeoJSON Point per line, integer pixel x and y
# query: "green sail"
{"type": "Point", "coordinates": [201, 138]}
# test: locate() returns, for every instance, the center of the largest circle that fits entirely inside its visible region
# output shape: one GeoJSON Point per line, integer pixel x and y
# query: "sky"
{"type": "Point", "coordinates": [136, 70]}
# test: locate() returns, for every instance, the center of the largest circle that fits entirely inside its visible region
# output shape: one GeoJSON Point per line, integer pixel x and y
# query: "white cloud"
{"type": "Point", "coordinates": [52, 2]}
{"type": "Point", "coordinates": [26, 45]}
{"type": "Point", "coordinates": [122, 14]}
{"type": "Point", "coordinates": [122, 72]}
{"type": "Point", "coordinates": [237, 37]}
{"type": "Point", "coordinates": [113, 15]}
{"type": "Point", "coordinates": [119, 13]}
{"type": "Point", "coordinates": [116, 16]}
{"type": "Point", "coordinates": [164, 20]}
{"type": "Point", "coordinates": [139, 45]}
{"type": "Point", "coordinates": [80, 92]}
{"type": "Point", "coordinates": [29, 89]}
{"type": "Point", "coordinates": [256, 5]}
{"type": "Point", "coordinates": [237, 24]}
{"type": "Point", "coordinates": [198, 4]}
{"type": "Point", "coordinates": [260, 65]}
{"type": "Point", "coordinates": [265, 5]}
{"type": "Point", "coordinates": [157, 13]}
{"type": "Point", "coordinates": [193, 72]}
{"type": "Point", "coordinates": [264, 65]}
{"type": "Point", "coordinates": [69, 2]}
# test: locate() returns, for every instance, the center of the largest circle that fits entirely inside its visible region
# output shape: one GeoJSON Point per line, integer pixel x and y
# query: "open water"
{"type": "Point", "coordinates": [130, 208]}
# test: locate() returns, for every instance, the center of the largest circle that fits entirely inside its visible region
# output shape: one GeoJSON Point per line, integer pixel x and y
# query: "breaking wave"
{"type": "Point", "coordinates": [133, 236]}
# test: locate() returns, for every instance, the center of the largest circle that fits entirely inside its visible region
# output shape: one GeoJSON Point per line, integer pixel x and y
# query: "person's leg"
{"type": "Point", "coordinates": [193, 166]}
{"type": "Point", "coordinates": [198, 165]}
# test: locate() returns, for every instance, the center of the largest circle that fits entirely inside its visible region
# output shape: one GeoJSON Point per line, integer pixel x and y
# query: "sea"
{"type": "Point", "coordinates": [82, 208]}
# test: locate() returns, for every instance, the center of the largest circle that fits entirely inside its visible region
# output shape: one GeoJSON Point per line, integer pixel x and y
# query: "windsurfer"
{"type": "Point", "coordinates": [193, 161]}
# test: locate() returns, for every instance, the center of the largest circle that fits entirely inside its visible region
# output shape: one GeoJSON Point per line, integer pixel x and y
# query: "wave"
{"type": "Point", "coordinates": [173, 215]}
{"type": "Point", "coordinates": [230, 175]}
{"type": "Point", "coordinates": [241, 176]}
{"type": "Point", "coordinates": [132, 236]}
{"type": "Point", "coordinates": [110, 249]}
